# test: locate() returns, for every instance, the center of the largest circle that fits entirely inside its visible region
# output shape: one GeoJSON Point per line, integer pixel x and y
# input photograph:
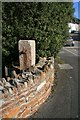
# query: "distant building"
{"type": "Point", "coordinates": [74, 25]}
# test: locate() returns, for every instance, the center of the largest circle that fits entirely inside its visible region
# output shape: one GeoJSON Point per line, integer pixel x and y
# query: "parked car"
{"type": "Point", "coordinates": [69, 42]}
{"type": "Point", "coordinates": [77, 32]}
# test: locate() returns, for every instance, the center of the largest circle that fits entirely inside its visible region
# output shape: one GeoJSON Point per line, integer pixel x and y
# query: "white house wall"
{"type": "Point", "coordinates": [73, 27]}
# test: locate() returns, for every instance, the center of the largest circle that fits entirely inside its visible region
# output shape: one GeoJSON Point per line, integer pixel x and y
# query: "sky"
{"type": "Point", "coordinates": [76, 5]}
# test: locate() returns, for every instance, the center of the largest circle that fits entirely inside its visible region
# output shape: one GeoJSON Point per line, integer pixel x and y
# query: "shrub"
{"type": "Point", "coordinates": [45, 22]}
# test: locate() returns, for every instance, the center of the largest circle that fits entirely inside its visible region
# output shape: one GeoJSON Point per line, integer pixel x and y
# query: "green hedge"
{"type": "Point", "coordinates": [45, 22]}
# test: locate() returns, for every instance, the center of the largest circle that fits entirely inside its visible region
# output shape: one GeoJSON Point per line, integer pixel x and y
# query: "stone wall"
{"type": "Point", "coordinates": [24, 97]}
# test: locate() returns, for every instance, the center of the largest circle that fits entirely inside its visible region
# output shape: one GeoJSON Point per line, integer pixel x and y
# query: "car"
{"type": "Point", "coordinates": [69, 42]}
{"type": "Point", "coordinates": [77, 32]}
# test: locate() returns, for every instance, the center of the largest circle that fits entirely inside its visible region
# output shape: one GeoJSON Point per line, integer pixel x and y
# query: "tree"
{"type": "Point", "coordinates": [44, 22]}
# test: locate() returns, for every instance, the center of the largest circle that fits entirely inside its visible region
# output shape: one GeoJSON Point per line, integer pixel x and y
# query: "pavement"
{"type": "Point", "coordinates": [63, 101]}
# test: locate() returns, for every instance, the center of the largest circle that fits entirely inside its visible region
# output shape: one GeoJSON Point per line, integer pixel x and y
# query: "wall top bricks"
{"type": "Point", "coordinates": [27, 78]}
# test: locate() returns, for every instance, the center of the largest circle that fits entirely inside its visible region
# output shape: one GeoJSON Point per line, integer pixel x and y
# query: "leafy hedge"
{"type": "Point", "coordinates": [45, 22]}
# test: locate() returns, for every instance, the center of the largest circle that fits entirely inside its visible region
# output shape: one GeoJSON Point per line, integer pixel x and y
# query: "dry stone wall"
{"type": "Point", "coordinates": [21, 97]}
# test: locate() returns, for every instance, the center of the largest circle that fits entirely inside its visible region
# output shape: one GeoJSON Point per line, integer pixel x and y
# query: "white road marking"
{"type": "Point", "coordinates": [65, 66]}
{"type": "Point", "coordinates": [72, 47]}
{"type": "Point", "coordinates": [71, 52]}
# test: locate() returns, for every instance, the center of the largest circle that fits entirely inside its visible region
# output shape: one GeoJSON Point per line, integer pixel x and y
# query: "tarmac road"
{"type": "Point", "coordinates": [63, 103]}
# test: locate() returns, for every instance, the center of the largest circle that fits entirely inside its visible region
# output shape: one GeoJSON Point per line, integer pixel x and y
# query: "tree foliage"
{"type": "Point", "coordinates": [44, 22]}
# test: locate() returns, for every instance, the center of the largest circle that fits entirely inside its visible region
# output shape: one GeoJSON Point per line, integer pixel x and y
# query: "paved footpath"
{"type": "Point", "coordinates": [63, 102]}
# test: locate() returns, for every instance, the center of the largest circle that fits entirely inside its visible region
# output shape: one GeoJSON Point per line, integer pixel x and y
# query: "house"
{"type": "Point", "coordinates": [74, 25]}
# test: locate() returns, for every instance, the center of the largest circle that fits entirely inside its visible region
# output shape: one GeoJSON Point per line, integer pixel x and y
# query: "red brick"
{"type": "Point", "coordinates": [12, 113]}
{"type": "Point", "coordinates": [22, 87]}
{"type": "Point", "coordinates": [43, 89]}
{"type": "Point", "coordinates": [33, 102]}
{"type": "Point", "coordinates": [9, 108]}
{"type": "Point", "coordinates": [15, 90]}
{"type": "Point", "coordinates": [44, 97]}
{"type": "Point", "coordinates": [1, 95]}
{"type": "Point", "coordinates": [34, 109]}
{"type": "Point", "coordinates": [26, 112]}
{"type": "Point", "coordinates": [19, 87]}
{"type": "Point", "coordinates": [48, 80]}
{"type": "Point", "coordinates": [1, 113]}
{"type": "Point", "coordinates": [6, 104]}
{"type": "Point", "coordinates": [31, 96]}
{"type": "Point", "coordinates": [37, 80]}
{"type": "Point", "coordinates": [11, 97]}
{"type": "Point", "coordinates": [39, 96]}
{"type": "Point", "coordinates": [20, 114]}
{"type": "Point", "coordinates": [43, 75]}
{"type": "Point", "coordinates": [49, 90]}
{"type": "Point", "coordinates": [47, 86]}
{"type": "Point", "coordinates": [41, 101]}
{"type": "Point", "coordinates": [21, 93]}
{"type": "Point", "coordinates": [21, 101]}
{"type": "Point", "coordinates": [18, 97]}
{"type": "Point", "coordinates": [23, 106]}
{"type": "Point", "coordinates": [29, 92]}
{"type": "Point", "coordinates": [5, 91]}
{"type": "Point", "coordinates": [27, 116]}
